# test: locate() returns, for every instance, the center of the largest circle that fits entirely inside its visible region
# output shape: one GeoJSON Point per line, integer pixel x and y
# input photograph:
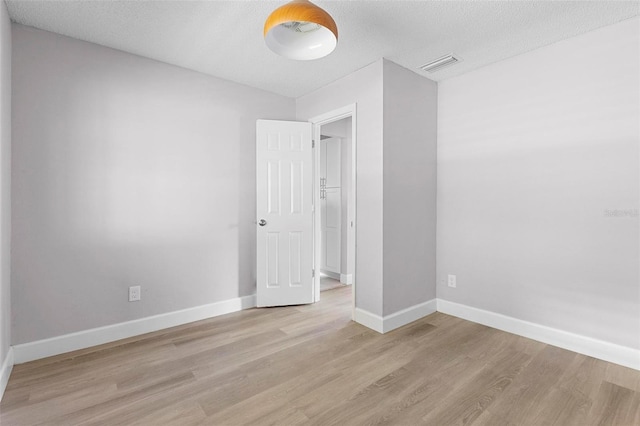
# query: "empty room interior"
{"type": "Point", "coordinates": [331, 212]}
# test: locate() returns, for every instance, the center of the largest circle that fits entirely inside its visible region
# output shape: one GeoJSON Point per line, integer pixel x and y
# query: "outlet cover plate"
{"type": "Point", "coordinates": [134, 293]}
{"type": "Point", "coordinates": [452, 281]}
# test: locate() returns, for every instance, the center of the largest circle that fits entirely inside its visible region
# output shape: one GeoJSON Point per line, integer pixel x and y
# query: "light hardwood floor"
{"type": "Point", "coordinates": [312, 365]}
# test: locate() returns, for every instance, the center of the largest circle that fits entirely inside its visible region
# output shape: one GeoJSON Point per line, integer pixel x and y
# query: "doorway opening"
{"type": "Point", "coordinates": [335, 201]}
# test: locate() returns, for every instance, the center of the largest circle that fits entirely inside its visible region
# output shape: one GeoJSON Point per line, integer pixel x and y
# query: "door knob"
{"type": "Point", "coordinates": [262, 222]}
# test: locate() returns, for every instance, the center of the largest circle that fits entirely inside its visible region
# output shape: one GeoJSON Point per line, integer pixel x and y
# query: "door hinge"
{"type": "Point", "coordinates": [313, 273]}
{"type": "Point", "coordinates": [313, 144]}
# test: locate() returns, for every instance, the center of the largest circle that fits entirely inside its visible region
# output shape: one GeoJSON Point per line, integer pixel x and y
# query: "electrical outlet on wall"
{"type": "Point", "coordinates": [134, 293]}
{"type": "Point", "coordinates": [451, 281]}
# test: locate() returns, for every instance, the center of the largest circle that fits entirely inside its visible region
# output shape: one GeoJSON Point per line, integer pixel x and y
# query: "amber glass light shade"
{"type": "Point", "coordinates": [301, 30]}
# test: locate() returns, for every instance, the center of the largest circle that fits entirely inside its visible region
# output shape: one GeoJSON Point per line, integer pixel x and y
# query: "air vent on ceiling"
{"type": "Point", "coordinates": [440, 63]}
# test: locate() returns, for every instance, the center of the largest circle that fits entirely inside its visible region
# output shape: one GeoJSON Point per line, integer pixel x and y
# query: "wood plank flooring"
{"type": "Point", "coordinates": [312, 365]}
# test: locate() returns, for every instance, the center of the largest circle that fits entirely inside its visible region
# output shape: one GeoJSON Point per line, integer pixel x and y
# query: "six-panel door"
{"type": "Point", "coordinates": [284, 223]}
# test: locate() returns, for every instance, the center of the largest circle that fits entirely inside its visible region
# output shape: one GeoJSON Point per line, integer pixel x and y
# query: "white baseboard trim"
{"type": "Point", "coordinates": [346, 279]}
{"type": "Point", "coordinates": [97, 336]}
{"type": "Point", "coordinates": [411, 314]}
{"type": "Point", "coordinates": [600, 349]}
{"type": "Point", "coordinates": [5, 371]}
{"type": "Point", "coordinates": [330, 274]}
{"type": "Point", "coordinates": [368, 319]}
{"type": "Point", "coordinates": [397, 319]}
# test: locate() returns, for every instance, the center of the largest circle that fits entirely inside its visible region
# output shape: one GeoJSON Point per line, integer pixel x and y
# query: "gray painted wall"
{"type": "Point", "coordinates": [535, 155]}
{"type": "Point", "coordinates": [127, 171]}
{"type": "Point", "coordinates": [363, 87]}
{"type": "Point", "coordinates": [5, 182]}
{"type": "Point", "coordinates": [410, 104]}
{"type": "Point", "coordinates": [396, 171]}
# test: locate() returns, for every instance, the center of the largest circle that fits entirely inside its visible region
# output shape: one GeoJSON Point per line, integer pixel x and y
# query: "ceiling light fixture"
{"type": "Point", "coordinates": [301, 30]}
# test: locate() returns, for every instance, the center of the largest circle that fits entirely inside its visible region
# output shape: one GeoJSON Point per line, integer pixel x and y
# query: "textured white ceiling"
{"type": "Point", "coordinates": [224, 38]}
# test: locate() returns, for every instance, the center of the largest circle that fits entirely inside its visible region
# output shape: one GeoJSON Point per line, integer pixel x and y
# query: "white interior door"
{"type": "Point", "coordinates": [331, 206]}
{"type": "Point", "coordinates": [284, 185]}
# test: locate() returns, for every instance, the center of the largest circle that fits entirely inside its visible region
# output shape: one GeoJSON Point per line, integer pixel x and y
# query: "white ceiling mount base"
{"type": "Point", "coordinates": [301, 46]}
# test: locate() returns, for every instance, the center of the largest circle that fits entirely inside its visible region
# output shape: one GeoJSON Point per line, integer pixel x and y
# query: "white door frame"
{"type": "Point", "coordinates": [318, 122]}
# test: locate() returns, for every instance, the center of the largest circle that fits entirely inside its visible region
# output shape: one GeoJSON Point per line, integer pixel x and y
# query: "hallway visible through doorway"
{"type": "Point", "coordinates": [328, 283]}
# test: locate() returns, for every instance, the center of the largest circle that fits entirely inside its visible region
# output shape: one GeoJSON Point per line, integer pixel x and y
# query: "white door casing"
{"type": "Point", "coordinates": [284, 206]}
{"type": "Point", "coordinates": [318, 122]}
